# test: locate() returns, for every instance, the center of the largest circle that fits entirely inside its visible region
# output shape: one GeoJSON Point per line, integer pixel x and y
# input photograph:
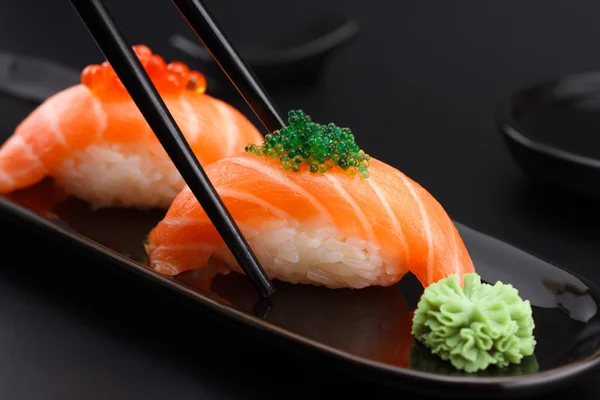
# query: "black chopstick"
{"type": "Point", "coordinates": [132, 74]}
{"type": "Point", "coordinates": [232, 64]}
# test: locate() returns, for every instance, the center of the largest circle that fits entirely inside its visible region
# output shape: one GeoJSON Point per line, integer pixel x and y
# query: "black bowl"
{"type": "Point", "coordinates": [552, 130]}
{"type": "Point", "coordinates": [294, 58]}
{"type": "Point", "coordinates": [32, 78]}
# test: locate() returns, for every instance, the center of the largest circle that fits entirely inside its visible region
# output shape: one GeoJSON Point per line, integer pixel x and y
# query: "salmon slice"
{"type": "Point", "coordinates": [95, 142]}
{"type": "Point", "coordinates": [322, 229]}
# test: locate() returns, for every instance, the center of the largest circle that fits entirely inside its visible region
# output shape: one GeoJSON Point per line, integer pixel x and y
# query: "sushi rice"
{"type": "Point", "coordinates": [116, 174]}
{"type": "Point", "coordinates": [310, 253]}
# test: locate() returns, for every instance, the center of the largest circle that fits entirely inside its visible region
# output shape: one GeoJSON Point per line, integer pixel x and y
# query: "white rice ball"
{"type": "Point", "coordinates": [317, 255]}
{"type": "Point", "coordinates": [132, 176]}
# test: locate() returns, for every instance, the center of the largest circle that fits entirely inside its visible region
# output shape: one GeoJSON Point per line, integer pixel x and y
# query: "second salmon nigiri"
{"type": "Point", "coordinates": [316, 210]}
{"type": "Point", "coordinates": [95, 142]}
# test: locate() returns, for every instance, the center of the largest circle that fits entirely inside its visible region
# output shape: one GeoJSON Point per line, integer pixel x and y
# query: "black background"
{"type": "Point", "coordinates": [420, 88]}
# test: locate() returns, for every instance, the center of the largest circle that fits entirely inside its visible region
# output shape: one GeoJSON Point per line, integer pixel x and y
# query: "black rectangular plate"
{"type": "Point", "coordinates": [365, 331]}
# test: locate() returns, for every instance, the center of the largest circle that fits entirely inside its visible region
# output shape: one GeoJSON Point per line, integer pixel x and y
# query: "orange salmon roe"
{"type": "Point", "coordinates": [169, 78]}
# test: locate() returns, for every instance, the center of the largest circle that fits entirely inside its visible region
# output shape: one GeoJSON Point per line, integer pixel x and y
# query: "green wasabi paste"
{"type": "Point", "coordinates": [421, 359]}
{"type": "Point", "coordinates": [476, 325]}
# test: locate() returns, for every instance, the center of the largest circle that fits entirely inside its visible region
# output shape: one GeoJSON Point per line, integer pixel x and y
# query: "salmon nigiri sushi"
{"type": "Point", "coordinates": [93, 140]}
{"type": "Point", "coordinates": [315, 209]}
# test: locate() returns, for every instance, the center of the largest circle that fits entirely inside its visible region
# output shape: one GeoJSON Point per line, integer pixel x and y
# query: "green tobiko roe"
{"type": "Point", "coordinates": [319, 147]}
{"type": "Point", "coordinates": [476, 325]}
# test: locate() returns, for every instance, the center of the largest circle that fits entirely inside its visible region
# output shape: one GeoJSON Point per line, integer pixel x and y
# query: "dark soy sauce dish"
{"type": "Point", "coordinates": [295, 58]}
{"type": "Point", "coordinates": [552, 129]}
{"type": "Point", "coordinates": [365, 332]}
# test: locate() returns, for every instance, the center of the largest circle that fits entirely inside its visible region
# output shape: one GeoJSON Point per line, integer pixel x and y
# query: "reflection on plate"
{"type": "Point", "coordinates": [367, 331]}
{"type": "Point", "coordinates": [379, 318]}
{"type": "Point", "coordinates": [421, 359]}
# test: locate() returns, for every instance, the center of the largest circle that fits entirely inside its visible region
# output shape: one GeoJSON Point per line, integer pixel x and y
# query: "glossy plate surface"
{"type": "Point", "coordinates": [366, 332]}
